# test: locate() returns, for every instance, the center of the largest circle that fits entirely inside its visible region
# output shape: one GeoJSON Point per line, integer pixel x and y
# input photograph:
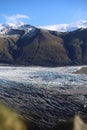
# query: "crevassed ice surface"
{"type": "Point", "coordinates": [44, 77]}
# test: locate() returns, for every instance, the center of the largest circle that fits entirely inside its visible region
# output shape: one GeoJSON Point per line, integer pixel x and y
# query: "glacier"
{"type": "Point", "coordinates": [44, 95]}
{"type": "Point", "coordinates": [47, 77]}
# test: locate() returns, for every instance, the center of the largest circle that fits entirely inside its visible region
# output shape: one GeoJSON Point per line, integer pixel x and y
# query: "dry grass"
{"type": "Point", "coordinates": [9, 120]}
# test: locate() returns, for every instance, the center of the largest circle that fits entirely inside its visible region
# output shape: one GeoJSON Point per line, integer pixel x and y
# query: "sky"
{"type": "Point", "coordinates": [43, 12]}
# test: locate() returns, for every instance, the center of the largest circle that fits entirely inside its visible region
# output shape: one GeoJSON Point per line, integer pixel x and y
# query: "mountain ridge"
{"type": "Point", "coordinates": [66, 27]}
{"type": "Point", "coordinates": [28, 45]}
{"type": "Point", "coordinates": [56, 27]}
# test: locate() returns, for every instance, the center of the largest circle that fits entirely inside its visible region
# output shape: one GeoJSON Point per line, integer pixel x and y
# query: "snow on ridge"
{"type": "Point", "coordinates": [66, 27]}
{"type": "Point", "coordinates": [5, 28]}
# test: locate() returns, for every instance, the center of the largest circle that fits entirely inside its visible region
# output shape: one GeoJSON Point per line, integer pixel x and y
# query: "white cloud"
{"type": "Point", "coordinates": [15, 18]}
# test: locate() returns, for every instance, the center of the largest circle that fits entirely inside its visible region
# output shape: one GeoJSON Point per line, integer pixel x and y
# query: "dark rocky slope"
{"type": "Point", "coordinates": [44, 48]}
{"type": "Point", "coordinates": [76, 45]}
{"type": "Point", "coordinates": [82, 71]}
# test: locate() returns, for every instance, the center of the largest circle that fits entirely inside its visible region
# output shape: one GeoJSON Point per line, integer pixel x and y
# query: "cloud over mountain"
{"type": "Point", "coordinates": [15, 18]}
{"type": "Point", "coordinates": [66, 27]}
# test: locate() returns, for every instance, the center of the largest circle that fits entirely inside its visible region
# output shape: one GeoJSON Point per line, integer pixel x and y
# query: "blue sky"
{"type": "Point", "coordinates": [43, 12]}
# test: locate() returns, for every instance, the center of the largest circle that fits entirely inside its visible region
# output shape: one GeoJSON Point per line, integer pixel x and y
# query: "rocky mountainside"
{"type": "Point", "coordinates": [28, 45]}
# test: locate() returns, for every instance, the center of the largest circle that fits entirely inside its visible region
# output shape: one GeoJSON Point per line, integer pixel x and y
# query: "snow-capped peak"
{"type": "Point", "coordinates": [5, 28]}
{"type": "Point", "coordinates": [66, 27]}
{"type": "Point", "coordinates": [15, 25]}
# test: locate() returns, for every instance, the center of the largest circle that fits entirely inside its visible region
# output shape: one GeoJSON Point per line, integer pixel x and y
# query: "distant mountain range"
{"type": "Point", "coordinates": [28, 45]}
{"type": "Point", "coordinates": [67, 27]}
{"type": "Point", "coordinates": [58, 27]}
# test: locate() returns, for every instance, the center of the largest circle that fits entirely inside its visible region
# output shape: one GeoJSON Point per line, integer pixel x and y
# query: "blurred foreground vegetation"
{"type": "Point", "coordinates": [9, 120]}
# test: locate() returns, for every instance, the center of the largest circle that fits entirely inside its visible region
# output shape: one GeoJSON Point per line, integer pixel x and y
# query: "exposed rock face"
{"type": "Point", "coordinates": [76, 45]}
{"type": "Point", "coordinates": [82, 71]}
{"type": "Point", "coordinates": [44, 48]}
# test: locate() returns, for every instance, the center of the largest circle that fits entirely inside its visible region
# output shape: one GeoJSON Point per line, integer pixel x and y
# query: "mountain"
{"type": "Point", "coordinates": [66, 27]}
{"type": "Point", "coordinates": [28, 45]}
